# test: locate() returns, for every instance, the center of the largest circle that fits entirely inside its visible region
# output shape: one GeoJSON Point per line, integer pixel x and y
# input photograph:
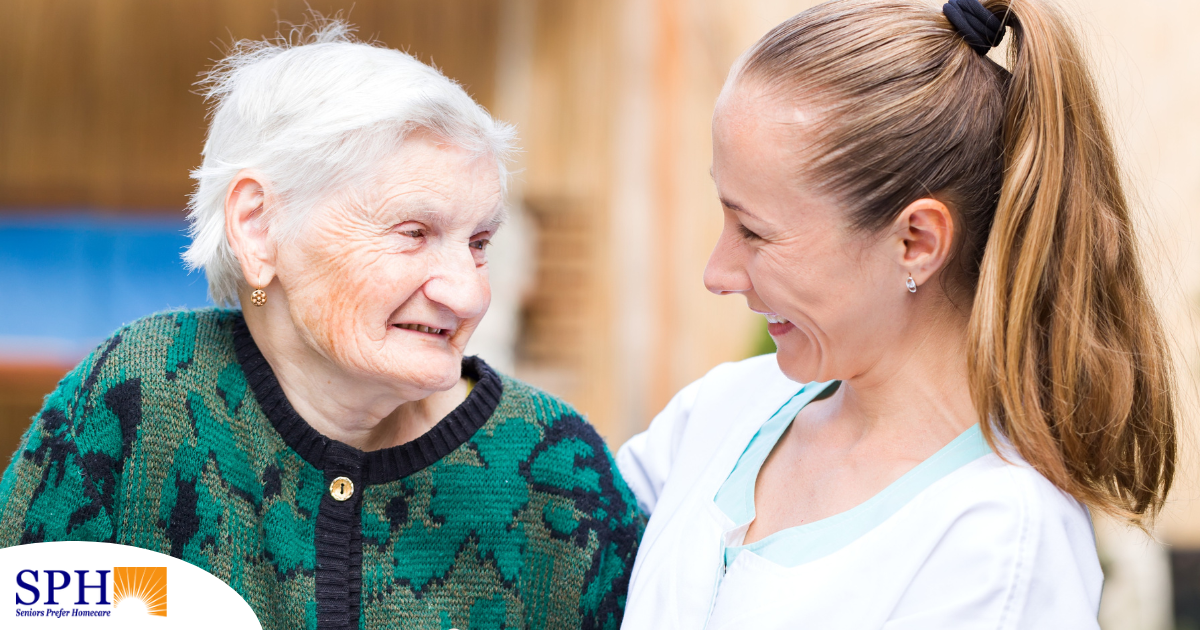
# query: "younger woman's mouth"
{"type": "Point", "coordinates": [779, 329]}
{"type": "Point", "coordinates": [777, 325]}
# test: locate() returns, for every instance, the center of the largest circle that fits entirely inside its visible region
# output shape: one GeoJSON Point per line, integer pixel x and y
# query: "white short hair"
{"type": "Point", "coordinates": [315, 112]}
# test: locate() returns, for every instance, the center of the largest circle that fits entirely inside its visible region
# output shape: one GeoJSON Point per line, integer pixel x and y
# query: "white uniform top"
{"type": "Point", "coordinates": [989, 545]}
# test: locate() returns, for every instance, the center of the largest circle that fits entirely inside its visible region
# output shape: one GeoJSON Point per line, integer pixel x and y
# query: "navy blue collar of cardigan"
{"type": "Point", "coordinates": [384, 465]}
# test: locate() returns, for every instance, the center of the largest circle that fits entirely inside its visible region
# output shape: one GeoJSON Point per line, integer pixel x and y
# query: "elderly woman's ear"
{"type": "Point", "coordinates": [248, 229]}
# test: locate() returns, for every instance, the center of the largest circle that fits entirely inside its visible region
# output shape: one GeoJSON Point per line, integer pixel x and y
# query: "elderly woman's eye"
{"type": "Point", "coordinates": [480, 244]}
{"type": "Point", "coordinates": [413, 233]}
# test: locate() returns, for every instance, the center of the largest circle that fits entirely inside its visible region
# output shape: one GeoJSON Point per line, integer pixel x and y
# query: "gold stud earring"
{"type": "Point", "coordinates": [258, 297]}
{"type": "Point", "coordinates": [911, 284]}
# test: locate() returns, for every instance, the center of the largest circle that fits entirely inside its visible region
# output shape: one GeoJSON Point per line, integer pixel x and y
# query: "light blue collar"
{"type": "Point", "coordinates": [804, 543]}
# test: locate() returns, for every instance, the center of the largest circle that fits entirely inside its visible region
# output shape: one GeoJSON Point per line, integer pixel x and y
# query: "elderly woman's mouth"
{"type": "Point", "coordinates": [425, 329]}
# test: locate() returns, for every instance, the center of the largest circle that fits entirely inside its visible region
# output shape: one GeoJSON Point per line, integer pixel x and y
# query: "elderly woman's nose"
{"type": "Point", "coordinates": [459, 285]}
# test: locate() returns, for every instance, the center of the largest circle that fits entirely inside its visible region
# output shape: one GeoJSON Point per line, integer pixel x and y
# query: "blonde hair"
{"type": "Point", "coordinates": [1067, 358]}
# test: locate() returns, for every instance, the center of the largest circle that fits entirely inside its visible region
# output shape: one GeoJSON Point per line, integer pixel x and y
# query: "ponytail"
{"type": "Point", "coordinates": [1068, 359]}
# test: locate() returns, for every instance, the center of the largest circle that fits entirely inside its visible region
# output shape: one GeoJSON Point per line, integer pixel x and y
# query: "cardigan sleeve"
{"type": "Point", "coordinates": [49, 491]}
{"type": "Point", "coordinates": [603, 599]}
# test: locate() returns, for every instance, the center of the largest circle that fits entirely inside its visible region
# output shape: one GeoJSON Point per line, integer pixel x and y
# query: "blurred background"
{"type": "Point", "coordinates": [597, 280]}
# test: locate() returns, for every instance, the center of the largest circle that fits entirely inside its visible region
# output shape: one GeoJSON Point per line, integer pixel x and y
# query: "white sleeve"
{"type": "Point", "coordinates": [645, 460]}
{"type": "Point", "coordinates": [1026, 564]}
{"type": "Point", "coordinates": [1065, 578]}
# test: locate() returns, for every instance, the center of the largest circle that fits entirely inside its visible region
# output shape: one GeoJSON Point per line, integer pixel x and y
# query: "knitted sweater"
{"type": "Point", "coordinates": [175, 436]}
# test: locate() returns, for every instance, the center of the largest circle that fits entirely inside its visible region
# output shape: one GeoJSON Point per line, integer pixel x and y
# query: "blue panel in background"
{"type": "Point", "coordinates": [67, 281]}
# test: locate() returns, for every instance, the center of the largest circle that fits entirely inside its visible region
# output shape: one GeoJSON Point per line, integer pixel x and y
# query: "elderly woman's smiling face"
{"type": "Point", "coordinates": [388, 283]}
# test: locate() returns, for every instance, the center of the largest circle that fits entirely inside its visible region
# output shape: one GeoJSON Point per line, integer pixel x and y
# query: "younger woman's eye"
{"type": "Point", "coordinates": [747, 234]}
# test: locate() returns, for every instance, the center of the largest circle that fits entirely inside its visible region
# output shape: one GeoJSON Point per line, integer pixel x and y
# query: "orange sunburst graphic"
{"type": "Point", "coordinates": [147, 585]}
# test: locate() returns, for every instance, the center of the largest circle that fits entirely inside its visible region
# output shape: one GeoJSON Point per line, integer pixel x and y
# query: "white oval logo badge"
{"type": "Point", "coordinates": [101, 585]}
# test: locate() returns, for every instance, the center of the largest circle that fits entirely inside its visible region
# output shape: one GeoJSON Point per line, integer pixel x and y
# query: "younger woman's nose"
{"type": "Point", "coordinates": [726, 270]}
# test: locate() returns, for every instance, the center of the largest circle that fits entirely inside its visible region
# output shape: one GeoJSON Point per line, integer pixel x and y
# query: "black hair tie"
{"type": "Point", "coordinates": [980, 27]}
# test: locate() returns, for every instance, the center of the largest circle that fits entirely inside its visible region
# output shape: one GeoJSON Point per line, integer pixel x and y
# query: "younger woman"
{"type": "Point", "coordinates": [968, 361]}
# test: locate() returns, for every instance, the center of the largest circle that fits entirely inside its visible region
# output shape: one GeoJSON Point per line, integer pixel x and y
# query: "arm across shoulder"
{"type": "Point", "coordinates": [698, 415]}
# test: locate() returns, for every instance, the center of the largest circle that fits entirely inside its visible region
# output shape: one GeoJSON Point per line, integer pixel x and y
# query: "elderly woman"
{"type": "Point", "coordinates": [968, 360]}
{"type": "Point", "coordinates": [327, 450]}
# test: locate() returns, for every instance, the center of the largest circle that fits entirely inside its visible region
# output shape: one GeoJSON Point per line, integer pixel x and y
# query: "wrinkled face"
{"type": "Point", "coordinates": [389, 284]}
{"type": "Point", "coordinates": [829, 290]}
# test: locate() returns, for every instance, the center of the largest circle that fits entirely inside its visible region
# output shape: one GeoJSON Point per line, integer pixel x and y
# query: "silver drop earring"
{"type": "Point", "coordinates": [911, 284]}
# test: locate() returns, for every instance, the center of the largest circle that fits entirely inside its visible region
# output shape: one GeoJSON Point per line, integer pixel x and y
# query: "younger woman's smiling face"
{"type": "Point", "coordinates": [832, 290]}
{"type": "Point", "coordinates": [388, 284]}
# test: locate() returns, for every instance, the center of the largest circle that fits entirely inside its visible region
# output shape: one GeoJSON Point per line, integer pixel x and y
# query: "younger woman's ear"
{"type": "Point", "coordinates": [924, 238]}
{"type": "Point", "coordinates": [247, 229]}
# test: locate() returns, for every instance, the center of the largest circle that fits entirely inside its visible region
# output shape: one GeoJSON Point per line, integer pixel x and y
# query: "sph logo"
{"type": "Point", "coordinates": [30, 587]}
{"type": "Point", "coordinates": [105, 585]}
{"type": "Point", "coordinates": [134, 589]}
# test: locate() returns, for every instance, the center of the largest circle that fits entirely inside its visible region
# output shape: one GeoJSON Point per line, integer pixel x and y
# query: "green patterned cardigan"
{"type": "Point", "coordinates": [175, 436]}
